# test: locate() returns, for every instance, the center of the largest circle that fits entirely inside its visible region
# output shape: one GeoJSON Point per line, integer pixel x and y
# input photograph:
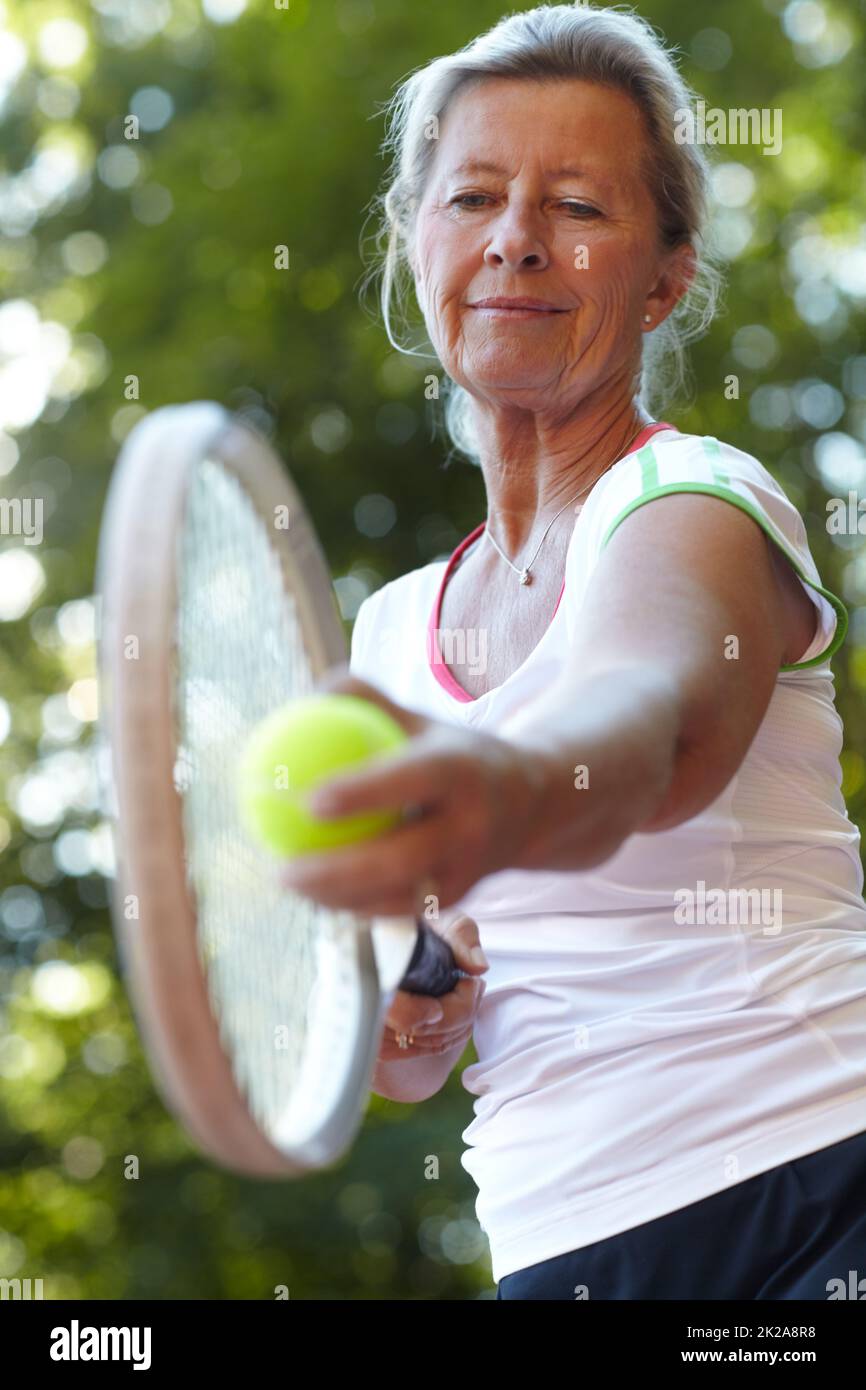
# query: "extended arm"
{"type": "Point", "coordinates": [672, 665]}
{"type": "Point", "coordinates": [680, 639]}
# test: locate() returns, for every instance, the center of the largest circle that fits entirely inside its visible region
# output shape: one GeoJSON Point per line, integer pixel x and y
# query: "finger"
{"type": "Point", "coordinates": [443, 1035]}
{"type": "Point", "coordinates": [401, 902]}
{"type": "Point", "coordinates": [460, 1005]}
{"type": "Point", "coordinates": [440, 1036]}
{"type": "Point", "coordinates": [411, 1013]}
{"type": "Point", "coordinates": [408, 1012]}
{"type": "Point", "coordinates": [355, 876]}
{"type": "Point", "coordinates": [339, 681]}
{"type": "Point", "coordinates": [413, 776]}
{"type": "Point", "coordinates": [368, 899]}
{"type": "Point", "coordinates": [463, 937]}
{"type": "Point", "coordinates": [390, 1051]}
{"type": "Point", "coordinates": [430, 1030]}
{"type": "Point", "coordinates": [417, 1051]}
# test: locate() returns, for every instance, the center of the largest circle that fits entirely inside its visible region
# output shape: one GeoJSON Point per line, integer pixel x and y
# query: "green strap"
{"type": "Point", "coordinates": [713, 451]}
{"type": "Point", "coordinates": [649, 468]}
{"type": "Point", "coordinates": [728, 495]}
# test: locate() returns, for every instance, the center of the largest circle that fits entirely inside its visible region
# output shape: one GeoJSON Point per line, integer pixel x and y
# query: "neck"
{"type": "Point", "coordinates": [534, 466]}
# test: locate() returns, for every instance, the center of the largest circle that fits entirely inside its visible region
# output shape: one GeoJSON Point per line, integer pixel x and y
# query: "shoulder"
{"type": "Point", "coordinates": [700, 464]}
{"type": "Point", "coordinates": [680, 459]}
{"type": "Point", "coordinates": [704, 465]}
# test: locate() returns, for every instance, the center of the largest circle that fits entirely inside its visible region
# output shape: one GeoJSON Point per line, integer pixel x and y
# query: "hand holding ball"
{"type": "Point", "coordinates": [289, 753]}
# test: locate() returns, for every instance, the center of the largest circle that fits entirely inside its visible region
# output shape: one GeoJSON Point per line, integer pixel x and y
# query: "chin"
{"type": "Point", "coordinates": [512, 375]}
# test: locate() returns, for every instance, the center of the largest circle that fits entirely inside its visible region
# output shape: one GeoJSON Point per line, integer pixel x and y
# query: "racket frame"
{"type": "Point", "coordinates": [137, 584]}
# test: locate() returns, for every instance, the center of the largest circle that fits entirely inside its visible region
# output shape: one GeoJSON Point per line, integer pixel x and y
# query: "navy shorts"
{"type": "Point", "coordinates": [785, 1234]}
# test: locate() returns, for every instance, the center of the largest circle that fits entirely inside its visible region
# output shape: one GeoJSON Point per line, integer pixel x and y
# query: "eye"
{"type": "Point", "coordinates": [461, 198]}
{"type": "Point", "coordinates": [581, 209]}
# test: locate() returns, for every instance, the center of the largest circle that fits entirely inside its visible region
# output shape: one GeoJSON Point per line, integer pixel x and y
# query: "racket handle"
{"type": "Point", "coordinates": [432, 968]}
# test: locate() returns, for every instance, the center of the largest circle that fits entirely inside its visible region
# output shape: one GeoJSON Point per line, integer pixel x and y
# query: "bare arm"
{"type": "Point", "coordinates": [656, 699]}
{"type": "Point", "coordinates": [668, 676]}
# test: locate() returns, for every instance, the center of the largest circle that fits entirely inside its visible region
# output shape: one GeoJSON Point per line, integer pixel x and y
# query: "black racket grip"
{"type": "Point", "coordinates": [432, 969]}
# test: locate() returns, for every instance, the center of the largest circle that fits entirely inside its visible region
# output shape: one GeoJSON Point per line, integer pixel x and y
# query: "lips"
{"type": "Point", "coordinates": [519, 303]}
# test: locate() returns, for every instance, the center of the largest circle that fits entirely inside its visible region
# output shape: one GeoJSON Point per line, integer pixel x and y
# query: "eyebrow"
{"type": "Point", "coordinates": [484, 166]}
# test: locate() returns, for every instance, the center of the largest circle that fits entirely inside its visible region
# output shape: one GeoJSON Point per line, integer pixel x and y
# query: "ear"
{"type": "Point", "coordinates": [674, 280]}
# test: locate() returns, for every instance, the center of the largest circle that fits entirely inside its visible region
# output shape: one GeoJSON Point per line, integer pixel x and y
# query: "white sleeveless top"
{"type": "Point", "coordinates": [693, 1012]}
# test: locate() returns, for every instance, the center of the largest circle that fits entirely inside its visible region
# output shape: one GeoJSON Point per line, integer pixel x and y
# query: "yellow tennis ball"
{"type": "Point", "coordinates": [305, 742]}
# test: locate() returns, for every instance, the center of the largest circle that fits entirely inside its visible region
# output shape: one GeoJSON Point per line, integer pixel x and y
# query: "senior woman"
{"type": "Point", "coordinates": [629, 810]}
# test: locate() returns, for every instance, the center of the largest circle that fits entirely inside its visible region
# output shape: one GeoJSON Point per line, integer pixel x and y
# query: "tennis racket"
{"type": "Point", "coordinates": [261, 1012]}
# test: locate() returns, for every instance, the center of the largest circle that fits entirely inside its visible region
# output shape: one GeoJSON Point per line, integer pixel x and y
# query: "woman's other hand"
{"type": "Point", "coordinates": [439, 1028]}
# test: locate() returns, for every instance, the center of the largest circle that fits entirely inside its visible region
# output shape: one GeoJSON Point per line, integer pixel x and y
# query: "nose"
{"type": "Point", "coordinates": [515, 242]}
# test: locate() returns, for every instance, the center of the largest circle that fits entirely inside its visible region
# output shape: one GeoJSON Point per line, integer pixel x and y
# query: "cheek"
{"type": "Point", "coordinates": [449, 240]}
{"type": "Point", "coordinates": [605, 274]}
{"type": "Point", "coordinates": [446, 265]}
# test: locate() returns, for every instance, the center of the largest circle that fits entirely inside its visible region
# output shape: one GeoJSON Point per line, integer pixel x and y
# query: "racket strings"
{"type": "Point", "coordinates": [239, 653]}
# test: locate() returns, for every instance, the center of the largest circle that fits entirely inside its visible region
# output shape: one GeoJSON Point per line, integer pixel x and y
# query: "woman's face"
{"type": "Point", "coordinates": [536, 190]}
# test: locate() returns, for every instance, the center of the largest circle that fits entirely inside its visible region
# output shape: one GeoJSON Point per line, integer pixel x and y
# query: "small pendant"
{"type": "Point", "coordinates": [525, 577]}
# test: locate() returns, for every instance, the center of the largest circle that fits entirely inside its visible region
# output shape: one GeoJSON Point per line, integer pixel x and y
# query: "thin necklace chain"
{"type": "Point", "coordinates": [523, 572]}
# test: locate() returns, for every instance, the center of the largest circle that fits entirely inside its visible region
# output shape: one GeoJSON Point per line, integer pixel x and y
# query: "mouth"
{"type": "Point", "coordinates": [516, 308]}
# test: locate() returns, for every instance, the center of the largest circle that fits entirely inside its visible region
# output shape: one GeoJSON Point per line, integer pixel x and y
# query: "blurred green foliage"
{"type": "Point", "coordinates": [154, 258]}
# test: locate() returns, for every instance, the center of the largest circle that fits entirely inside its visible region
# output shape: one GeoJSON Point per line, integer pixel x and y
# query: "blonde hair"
{"type": "Point", "coordinates": [610, 46]}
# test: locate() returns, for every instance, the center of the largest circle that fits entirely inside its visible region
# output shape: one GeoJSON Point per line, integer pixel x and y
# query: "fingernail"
{"type": "Point", "coordinates": [477, 956]}
{"type": "Point", "coordinates": [436, 1016]}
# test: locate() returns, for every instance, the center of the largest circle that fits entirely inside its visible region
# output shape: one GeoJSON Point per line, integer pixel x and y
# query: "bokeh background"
{"type": "Point", "coordinates": [153, 258]}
